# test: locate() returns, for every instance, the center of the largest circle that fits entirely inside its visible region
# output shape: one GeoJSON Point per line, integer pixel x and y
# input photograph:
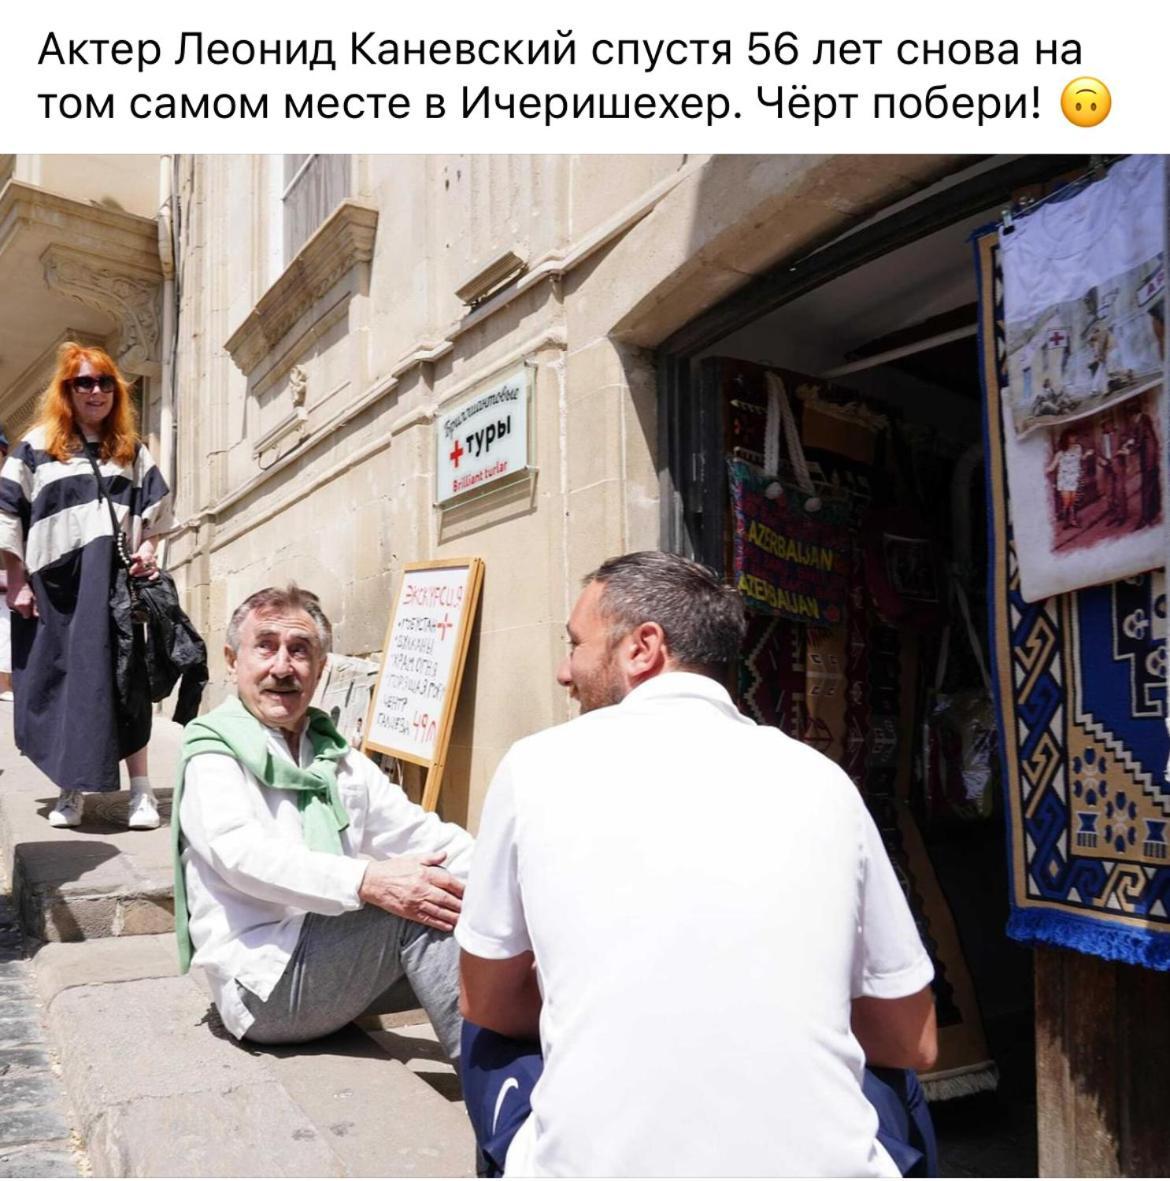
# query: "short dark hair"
{"type": "Point", "coordinates": [703, 618]}
{"type": "Point", "coordinates": [281, 598]}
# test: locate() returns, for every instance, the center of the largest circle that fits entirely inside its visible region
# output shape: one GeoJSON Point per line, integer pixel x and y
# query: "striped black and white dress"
{"type": "Point", "coordinates": [65, 714]}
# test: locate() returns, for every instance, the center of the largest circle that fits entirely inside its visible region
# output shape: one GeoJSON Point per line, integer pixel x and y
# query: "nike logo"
{"type": "Point", "coordinates": [508, 1083]}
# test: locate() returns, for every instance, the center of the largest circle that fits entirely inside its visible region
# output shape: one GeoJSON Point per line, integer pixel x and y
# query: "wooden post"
{"type": "Point", "coordinates": [1102, 1067]}
{"type": "Point", "coordinates": [430, 798]}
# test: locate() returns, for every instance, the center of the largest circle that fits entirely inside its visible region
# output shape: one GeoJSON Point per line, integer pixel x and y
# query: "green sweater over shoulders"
{"type": "Point", "coordinates": [231, 730]}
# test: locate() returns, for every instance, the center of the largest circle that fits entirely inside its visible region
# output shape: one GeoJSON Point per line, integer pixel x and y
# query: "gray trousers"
{"type": "Point", "coordinates": [343, 963]}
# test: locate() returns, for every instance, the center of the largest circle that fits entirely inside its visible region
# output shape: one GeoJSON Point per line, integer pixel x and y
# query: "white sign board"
{"type": "Point", "coordinates": [416, 690]}
{"type": "Point", "coordinates": [484, 439]}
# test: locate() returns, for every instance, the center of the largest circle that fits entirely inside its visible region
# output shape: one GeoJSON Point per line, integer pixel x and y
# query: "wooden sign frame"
{"type": "Point", "coordinates": [467, 609]}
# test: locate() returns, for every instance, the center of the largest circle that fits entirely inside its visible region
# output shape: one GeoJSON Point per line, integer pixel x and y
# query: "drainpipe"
{"type": "Point", "coordinates": [166, 255]}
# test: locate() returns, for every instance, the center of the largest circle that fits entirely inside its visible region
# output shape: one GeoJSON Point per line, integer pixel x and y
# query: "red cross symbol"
{"type": "Point", "coordinates": [446, 618]}
{"type": "Point", "coordinates": [456, 453]}
{"type": "Point", "coordinates": [1057, 339]}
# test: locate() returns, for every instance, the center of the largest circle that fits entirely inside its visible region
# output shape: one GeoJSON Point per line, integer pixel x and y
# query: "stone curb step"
{"type": "Point", "coordinates": [161, 1090]}
{"type": "Point", "coordinates": [97, 880]}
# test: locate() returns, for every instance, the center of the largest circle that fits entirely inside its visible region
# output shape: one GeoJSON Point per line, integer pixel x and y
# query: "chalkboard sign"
{"type": "Point", "coordinates": [422, 666]}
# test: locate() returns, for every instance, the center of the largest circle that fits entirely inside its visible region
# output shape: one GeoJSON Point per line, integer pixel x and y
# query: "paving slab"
{"type": "Point", "coordinates": [159, 1089]}
{"type": "Point", "coordinates": [27, 1089]}
{"type": "Point", "coordinates": [19, 1031]}
{"type": "Point", "coordinates": [36, 1125]}
{"type": "Point", "coordinates": [13, 1001]}
{"type": "Point", "coordinates": [38, 1160]}
{"type": "Point", "coordinates": [380, 1117]}
{"type": "Point", "coordinates": [58, 966]}
{"type": "Point", "coordinates": [45, 1122]}
{"type": "Point", "coordinates": [99, 879]}
{"type": "Point", "coordinates": [247, 1131]}
{"type": "Point", "coordinates": [23, 1060]}
{"type": "Point", "coordinates": [417, 1047]}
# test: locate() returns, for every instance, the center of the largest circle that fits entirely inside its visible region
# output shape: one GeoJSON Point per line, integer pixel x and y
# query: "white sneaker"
{"type": "Point", "coordinates": [67, 812]}
{"type": "Point", "coordinates": [143, 812]}
{"type": "Point", "coordinates": [6, 695]}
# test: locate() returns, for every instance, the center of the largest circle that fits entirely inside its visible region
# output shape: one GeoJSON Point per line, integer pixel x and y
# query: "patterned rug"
{"type": "Point", "coordinates": [1080, 682]}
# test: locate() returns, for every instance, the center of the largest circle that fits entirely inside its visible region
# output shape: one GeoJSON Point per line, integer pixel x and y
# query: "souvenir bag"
{"type": "Point", "coordinates": [791, 547]}
{"type": "Point", "coordinates": [960, 738]}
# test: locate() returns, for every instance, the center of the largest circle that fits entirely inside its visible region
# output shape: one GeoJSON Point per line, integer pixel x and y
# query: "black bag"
{"type": "Point", "coordinates": [146, 666]}
{"type": "Point", "coordinates": [131, 700]}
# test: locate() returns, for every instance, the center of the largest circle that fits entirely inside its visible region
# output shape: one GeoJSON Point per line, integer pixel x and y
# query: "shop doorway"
{"type": "Point", "coordinates": [871, 341]}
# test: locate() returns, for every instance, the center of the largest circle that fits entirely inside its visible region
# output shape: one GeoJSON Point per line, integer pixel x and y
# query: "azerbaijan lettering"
{"type": "Point", "coordinates": [788, 561]}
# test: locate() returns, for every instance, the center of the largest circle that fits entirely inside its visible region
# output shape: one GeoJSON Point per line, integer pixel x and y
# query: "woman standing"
{"type": "Point", "coordinates": [59, 553]}
{"type": "Point", "coordinates": [1066, 463]}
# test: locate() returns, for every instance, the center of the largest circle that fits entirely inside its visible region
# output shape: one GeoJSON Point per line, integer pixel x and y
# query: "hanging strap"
{"type": "Point", "coordinates": [121, 546]}
{"type": "Point", "coordinates": [959, 594]}
{"type": "Point", "coordinates": [780, 412]}
{"type": "Point", "coordinates": [972, 634]}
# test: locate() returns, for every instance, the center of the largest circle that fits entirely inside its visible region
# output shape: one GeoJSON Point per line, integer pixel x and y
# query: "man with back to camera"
{"type": "Point", "coordinates": [311, 883]}
{"type": "Point", "coordinates": [692, 913]}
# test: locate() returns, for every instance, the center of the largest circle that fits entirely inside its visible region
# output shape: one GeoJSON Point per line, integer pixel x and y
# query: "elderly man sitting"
{"type": "Point", "coordinates": [306, 881]}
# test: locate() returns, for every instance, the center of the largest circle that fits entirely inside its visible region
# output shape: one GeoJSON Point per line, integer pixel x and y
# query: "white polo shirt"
{"type": "Point", "coordinates": [251, 879]}
{"type": "Point", "coordinates": [704, 896]}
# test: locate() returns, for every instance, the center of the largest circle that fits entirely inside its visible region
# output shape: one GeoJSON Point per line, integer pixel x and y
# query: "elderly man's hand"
{"type": "Point", "coordinates": [415, 888]}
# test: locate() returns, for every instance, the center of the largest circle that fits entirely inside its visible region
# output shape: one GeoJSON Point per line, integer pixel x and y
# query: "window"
{"type": "Point", "coordinates": [313, 186]}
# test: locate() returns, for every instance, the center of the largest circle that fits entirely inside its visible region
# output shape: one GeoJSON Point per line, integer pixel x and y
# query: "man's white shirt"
{"type": "Point", "coordinates": [704, 897]}
{"type": "Point", "coordinates": [251, 879]}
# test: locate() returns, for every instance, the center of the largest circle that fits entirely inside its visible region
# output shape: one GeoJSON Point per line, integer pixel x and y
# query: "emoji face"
{"type": "Point", "coordinates": [1086, 102]}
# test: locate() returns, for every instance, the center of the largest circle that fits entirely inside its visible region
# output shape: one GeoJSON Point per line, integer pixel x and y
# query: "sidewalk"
{"type": "Point", "coordinates": [156, 1085]}
{"type": "Point", "coordinates": [35, 1120]}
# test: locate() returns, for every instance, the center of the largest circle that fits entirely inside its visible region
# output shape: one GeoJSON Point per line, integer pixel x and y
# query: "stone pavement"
{"type": "Point", "coordinates": [36, 1138]}
{"type": "Point", "coordinates": [155, 1085]}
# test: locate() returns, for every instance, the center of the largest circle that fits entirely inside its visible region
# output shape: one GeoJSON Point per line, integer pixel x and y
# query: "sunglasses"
{"type": "Point", "coordinates": [105, 383]}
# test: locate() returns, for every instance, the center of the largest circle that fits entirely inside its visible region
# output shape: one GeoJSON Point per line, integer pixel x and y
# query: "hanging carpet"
{"type": "Point", "coordinates": [1080, 683]}
{"type": "Point", "coordinates": [1084, 306]}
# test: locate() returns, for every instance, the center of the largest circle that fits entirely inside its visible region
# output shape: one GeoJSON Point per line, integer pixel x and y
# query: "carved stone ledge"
{"type": "Point", "coordinates": [131, 299]}
{"type": "Point", "coordinates": [344, 241]}
{"type": "Point", "coordinates": [123, 241]}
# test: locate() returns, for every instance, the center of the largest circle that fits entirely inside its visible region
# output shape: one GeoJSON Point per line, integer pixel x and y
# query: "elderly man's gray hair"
{"type": "Point", "coordinates": [282, 598]}
{"type": "Point", "coordinates": [703, 619]}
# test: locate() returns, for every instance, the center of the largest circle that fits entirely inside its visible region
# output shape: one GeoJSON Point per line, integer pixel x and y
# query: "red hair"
{"type": "Point", "coordinates": [119, 429]}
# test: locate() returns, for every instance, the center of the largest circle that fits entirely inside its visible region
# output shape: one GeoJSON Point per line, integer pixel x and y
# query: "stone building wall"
{"type": "Point", "coordinates": [307, 392]}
